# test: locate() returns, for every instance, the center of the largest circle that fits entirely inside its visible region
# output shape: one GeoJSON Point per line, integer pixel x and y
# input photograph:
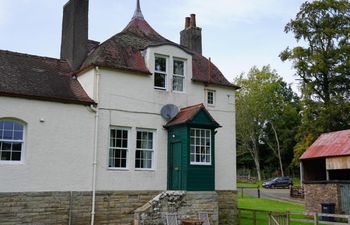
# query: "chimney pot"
{"type": "Point", "coordinates": [191, 36]}
{"type": "Point", "coordinates": [193, 20]}
{"type": "Point", "coordinates": [187, 22]}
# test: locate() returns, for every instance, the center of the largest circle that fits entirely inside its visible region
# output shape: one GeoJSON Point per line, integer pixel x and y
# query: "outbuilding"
{"type": "Point", "coordinates": [325, 172]}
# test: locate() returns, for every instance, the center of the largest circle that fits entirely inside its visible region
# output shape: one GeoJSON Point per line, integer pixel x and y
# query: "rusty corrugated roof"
{"type": "Point", "coordinates": [329, 144]}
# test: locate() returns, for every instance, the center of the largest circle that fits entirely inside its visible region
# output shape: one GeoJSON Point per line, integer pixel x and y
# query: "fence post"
{"type": "Point", "coordinates": [270, 219]}
{"type": "Point", "coordinates": [287, 218]}
{"type": "Point", "coordinates": [316, 218]}
{"type": "Point", "coordinates": [239, 217]}
{"type": "Point", "coordinates": [254, 217]}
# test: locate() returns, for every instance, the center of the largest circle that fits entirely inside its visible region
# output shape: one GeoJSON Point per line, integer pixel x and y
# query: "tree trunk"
{"type": "Point", "coordinates": [255, 154]}
{"type": "Point", "coordinates": [278, 149]}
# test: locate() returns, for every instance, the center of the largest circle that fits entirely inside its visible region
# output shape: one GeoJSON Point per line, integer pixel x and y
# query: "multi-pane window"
{"type": "Point", "coordinates": [200, 146]}
{"type": "Point", "coordinates": [160, 72]}
{"type": "Point", "coordinates": [178, 75]}
{"type": "Point", "coordinates": [118, 150]}
{"type": "Point", "coordinates": [210, 97]}
{"type": "Point", "coordinates": [144, 150]}
{"type": "Point", "coordinates": [11, 140]}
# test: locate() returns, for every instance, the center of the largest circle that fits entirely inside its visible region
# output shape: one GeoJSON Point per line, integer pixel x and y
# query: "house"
{"type": "Point", "coordinates": [325, 167]}
{"type": "Point", "coordinates": [108, 127]}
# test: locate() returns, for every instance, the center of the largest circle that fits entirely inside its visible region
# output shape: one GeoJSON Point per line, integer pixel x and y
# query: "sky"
{"type": "Point", "coordinates": [237, 34]}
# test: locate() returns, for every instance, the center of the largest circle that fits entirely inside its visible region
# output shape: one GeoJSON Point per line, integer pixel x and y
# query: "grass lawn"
{"type": "Point", "coordinates": [265, 204]}
{"type": "Point", "coordinates": [249, 202]}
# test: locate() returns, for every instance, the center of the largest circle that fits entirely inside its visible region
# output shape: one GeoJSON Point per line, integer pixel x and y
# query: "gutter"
{"type": "Point", "coordinates": [94, 163]}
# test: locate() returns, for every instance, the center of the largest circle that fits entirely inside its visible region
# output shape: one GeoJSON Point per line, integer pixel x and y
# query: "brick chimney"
{"type": "Point", "coordinates": [191, 36]}
{"type": "Point", "coordinates": [75, 32]}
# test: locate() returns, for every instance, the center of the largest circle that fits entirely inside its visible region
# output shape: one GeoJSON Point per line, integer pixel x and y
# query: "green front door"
{"type": "Point", "coordinates": [175, 166]}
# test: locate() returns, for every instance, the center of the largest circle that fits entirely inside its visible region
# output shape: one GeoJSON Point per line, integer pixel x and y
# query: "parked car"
{"type": "Point", "coordinates": [278, 182]}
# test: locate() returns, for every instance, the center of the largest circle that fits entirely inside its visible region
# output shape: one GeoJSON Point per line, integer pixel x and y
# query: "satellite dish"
{"type": "Point", "coordinates": [169, 111]}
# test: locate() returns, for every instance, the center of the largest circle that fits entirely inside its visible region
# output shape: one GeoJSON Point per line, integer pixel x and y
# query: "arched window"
{"type": "Point", "coordinates": [11, 140]}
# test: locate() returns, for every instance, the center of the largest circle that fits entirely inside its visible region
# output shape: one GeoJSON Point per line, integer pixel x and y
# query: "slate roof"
{"type": "Point", "coordinates": [329, 145]}
{"type": "Point", "coordinates": [42, 78]}
{"type": "Point", "coordinates": [123, 51]}
{"type": "Point", "coordinates": [187, 114]}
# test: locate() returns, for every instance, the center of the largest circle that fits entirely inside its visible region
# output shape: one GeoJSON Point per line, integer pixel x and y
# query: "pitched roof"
{"type": "Point", "coordinates": [329, 144]}
{"type": "Point", "coordinates": [35, 77]}
{"type": "Point", "coordinates": [187, 114]}
{"type": "Point", "coordinates": [123, 51]}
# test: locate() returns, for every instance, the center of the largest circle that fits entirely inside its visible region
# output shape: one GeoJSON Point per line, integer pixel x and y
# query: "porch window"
{"type": "Point", "coordinates": [200, 146]}
{"type": "Point", "coordinates": [144, 149]}
{"type": "Point", "coordinates": [11, 141]}
{"type": "Point", "coordinates": [178, 75]}
{"type": "Point", "coordinates": [118, 150]}
{"type": "Point", "coordinates": [160, 72]}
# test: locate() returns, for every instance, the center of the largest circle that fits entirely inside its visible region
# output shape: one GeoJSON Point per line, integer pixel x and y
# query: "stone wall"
{"type": "Point", "coordinates": [186, 205]}
{"type": "Point", "coordinates": [318, 193]}
{"type": "Point", "coordinates": [221, 207]}
{"type": "Point", "coordinates": [227, 202]}
{"type": "Point", "coordinates": [74, 208]}
{"type": "Point", "coordinates": [70, 208]}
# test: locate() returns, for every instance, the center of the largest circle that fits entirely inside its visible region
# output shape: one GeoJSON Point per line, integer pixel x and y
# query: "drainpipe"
{"type": "Point", "coordinates": [94, 164]}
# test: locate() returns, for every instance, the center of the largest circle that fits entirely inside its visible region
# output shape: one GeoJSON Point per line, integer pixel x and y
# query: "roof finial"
{"type": "Point", "coordinates": [138, 13]}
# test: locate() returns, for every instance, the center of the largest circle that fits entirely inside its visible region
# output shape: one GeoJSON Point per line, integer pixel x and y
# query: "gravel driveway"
{"type": "Point", "coordinates": [280, 194]}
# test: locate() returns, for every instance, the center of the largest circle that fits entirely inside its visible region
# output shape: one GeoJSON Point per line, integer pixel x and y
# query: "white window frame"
{"type": "Point", "coordinates": [121, 148]}
{"type": "Point", "coordinates": [165, 73]}
{"type": "Point", "coordinates": [148, 150]}
{"type": "Point", "coordinates": [13, 162]}
{"type": "Point", "coordinates": [213, 97]}
{"type": "Point", "coordinates": [179, 75]}
{"type": "Point", "coordinates": [194, 144]}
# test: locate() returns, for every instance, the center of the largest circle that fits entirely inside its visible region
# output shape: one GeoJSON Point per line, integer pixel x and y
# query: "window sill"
{"type": "Point", "coordinates": [146, 170]}
{"type": "Point", "coordinates": [160, 88]}
{"type": "Point", "coordinates": [200, 164]}
{"type": "Point", "coordinates": [11, 162]}
{"type": "Point", "coordinates": [117, 169]}
{"type": "Point", "coordinates": [179, 92]}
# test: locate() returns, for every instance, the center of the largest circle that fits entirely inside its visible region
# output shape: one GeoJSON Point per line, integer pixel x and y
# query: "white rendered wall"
{"type": "Point", "coordinates": [129, 100]}
{"type": "Point", "coordinates": [57, 152]}
{"type": "Point", "coordinates": [88, 83]}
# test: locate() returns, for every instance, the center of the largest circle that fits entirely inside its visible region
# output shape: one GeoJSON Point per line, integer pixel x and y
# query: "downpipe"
{"type": "Point", "coordinates": [94, 163]}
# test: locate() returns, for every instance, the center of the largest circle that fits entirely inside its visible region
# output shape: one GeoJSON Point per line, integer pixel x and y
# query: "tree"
{"type": "Point", "coordinates": [261, 104]}
{"type": "Point", "coordinates": [323, 64]}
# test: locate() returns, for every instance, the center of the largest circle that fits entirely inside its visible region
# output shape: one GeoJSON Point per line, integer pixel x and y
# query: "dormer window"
{"type": "Point", "coordinates": [178, 75]}
{"type": "Point", "coordinates": [160, 72]}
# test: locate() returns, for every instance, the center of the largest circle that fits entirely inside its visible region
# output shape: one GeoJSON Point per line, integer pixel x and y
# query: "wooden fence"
{"type": "Point", "coordinates": [262, 217]}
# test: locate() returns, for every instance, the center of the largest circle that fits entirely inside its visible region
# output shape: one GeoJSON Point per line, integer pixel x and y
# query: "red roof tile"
{"type": "Point", "coordinates": [123, 51]}
{"type": "Point", "coordinates": [35, 77]}
{"type": "Point", "coordinates": [329, 144]}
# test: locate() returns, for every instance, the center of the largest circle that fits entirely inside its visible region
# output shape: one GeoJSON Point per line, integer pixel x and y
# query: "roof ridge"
{"type": "Point", "coordinates": [193, 106]}
{"type": "Point", "coordinates": [31, 56]}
